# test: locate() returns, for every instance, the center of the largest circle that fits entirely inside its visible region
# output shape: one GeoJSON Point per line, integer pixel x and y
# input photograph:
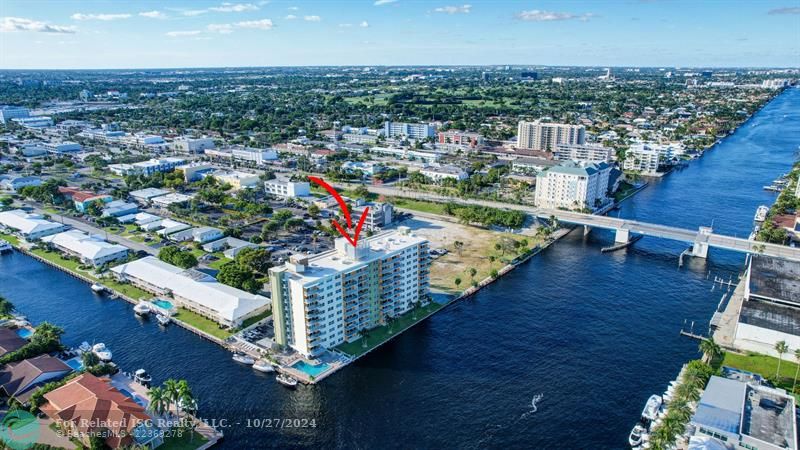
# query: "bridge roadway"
{"type": "Point", "coordinates": [700, 240]}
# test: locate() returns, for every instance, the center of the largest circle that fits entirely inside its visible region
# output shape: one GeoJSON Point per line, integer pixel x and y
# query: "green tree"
{"type": "Point", "coordinates": [797, 369]}
{"type": "Point", "coordinates": [781, 348]}
{"type": "Point", "coordinates": [238, 276]}
{"type": "Point", "coordinates": [457, 281]}
{"type": "Point", "coordinates": [472, 273]}
{"type": "Point", "coordinates": [158, 400]}
{"type": "Point", "coordinates": [710, 349]}
{"type": "Point", "coordinates": [257, 259]}
{"type": "Point", "coordinates": [6, 307]}
{"type": "Point", "coordinates": [89, 359]}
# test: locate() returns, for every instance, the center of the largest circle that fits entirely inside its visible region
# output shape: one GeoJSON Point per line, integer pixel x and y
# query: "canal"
{"type": "Point", "coordinates": [590, 335]}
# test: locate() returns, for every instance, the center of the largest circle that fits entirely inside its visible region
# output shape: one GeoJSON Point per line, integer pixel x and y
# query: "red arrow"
{"type": "Point", "coordinates": [343, 206]}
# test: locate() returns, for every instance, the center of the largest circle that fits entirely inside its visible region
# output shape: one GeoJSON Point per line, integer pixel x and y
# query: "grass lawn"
{"type": "Point", "coordinates": [201, 323]}
{"type": "Point", "coordinates": [247, 322]}
{"type": "Point", "coordinates": [221, 261]}
{"type": "Point", "coordinates": [765, 366]}
{"type": "Point", "coordinates": [186, 441]}
{"type": "Point", "coordinates": [56, 258]}
{"type": "Point", "coordinates": [625, 189]}
{"type": "Point", "coordinates": [381, 334]}
{"type": "Point", "coordinates": [418, 205]}
{"type": "Point", "coordinates": [126, 289]}
{"type": "Point", "coordinates": [13, 240]}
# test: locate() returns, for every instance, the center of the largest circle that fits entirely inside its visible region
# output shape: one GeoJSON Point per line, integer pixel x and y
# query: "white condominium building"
{"type": "Point", "coordinates": [29, 226]}
{"type": "Point", "coordinates": [147, 167]}
{"type": "Point", "coordinates": [546, 136]}
{"type": "Point", "coordinates": [573, 185]}
{"type": "Point", "coordinates": [287, 189]}
{"type": "Point", "coordinates": [256, 156]}
{"type": "Point", "coordinates": [89, 249]}
{"type": "Point", "coordinates": [583, 153]}
{"type": "Point", "coordinates": [412, 130]}
{"type": "Point", "coordinates": [325, 300]}
{"type": "Point", "coordinates": [644, 159]}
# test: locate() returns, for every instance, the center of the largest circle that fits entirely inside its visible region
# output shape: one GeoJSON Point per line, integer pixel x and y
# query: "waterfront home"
{"type": "Point", "coordinates": [88, 404]}
{"type": "Point", "coordinates": [231, 245]}
{"type": "Point", "coordinates": [19, 380]}
{"type": "Point", "coordinates": [90, 249]}
{"type": "Point", "coordinates": [746, 415]}
{"type": "Point", "coordinates": [28, 225]}
{"type": "Point", "coordinates": [82, 199]}
{"type": "Point", "coordinates": [10, 341]}
{"type": "Point", "coordinates": [193, 290]}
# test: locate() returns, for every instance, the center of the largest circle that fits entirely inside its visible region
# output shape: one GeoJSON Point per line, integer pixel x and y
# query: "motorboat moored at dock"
{"type": "Point", "coordinates": [5, 246]}
{"type": "Point", "coordinates": [102, 352]}
{"type": "Point", "coordinates": [244, 359]}
{"type": "Point", "coordinates": [262, 365]}
{"type": "Point", "coordinates": [99, 288]}
{"type": "Point", "coordinates": [142, 377]}
{"type": "Point", "coordinates": [286, 380]}
{"type": "Point", "coordinates": [761, 213]}
{"type": "Point", "coordinates": [141, 309]}
{"type": "Point", "coordinates": [163, 320]}
{"type": "Point", "coordinates": [636, 438]}
{"type": "Point", "coordinates": [650, 411]}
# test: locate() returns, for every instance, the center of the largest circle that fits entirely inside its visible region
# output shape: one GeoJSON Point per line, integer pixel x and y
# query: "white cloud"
{"type": "Point", "coordinates": [263, 24]}
{"type": "Point", "coordinates": [222, 28]}
{"type": "Point", "coordinates": [364, 24]}
{"type": "Point", "coordinates": [194, 12]}
{"type": "Point", "coordinates": [234, 7]}
{"type": "Point", "coordinates": [104, 17]}
{"type": "Point", "coordinates": [11, 24]}
{"type": "Point", "coordinates": [291, 17]}
{"type": "Point", "coordinates": [536, 15]}
{"type": "Point", "coordinates": [183, 33]}
{"type": "Point", "coordinates": [292, 8]}
{"type": "Point", "coordinates": [383, 2]}
{"type": "Point", "coordinates": [464, 9]}
{"type": "Point", "coordinates": [312, 18]}
{"type": "Point", "coordinates": [153, 14]}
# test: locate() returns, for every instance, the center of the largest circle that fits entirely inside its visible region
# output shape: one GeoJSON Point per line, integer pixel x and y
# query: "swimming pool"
{"type": "Point", "coordinates": [75, 363]}
{"type": "Point", "coordinates": [309, 369]}
{"type": "Point", "coordinates": [163, 304]}
{"type": "Point", "coordinates": [24, 333]}
{"type": "Point", "coordinates": [134, 397]}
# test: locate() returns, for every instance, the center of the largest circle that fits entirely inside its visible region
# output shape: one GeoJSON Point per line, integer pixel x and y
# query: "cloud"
{"type": "Point", "coordinates": [104, 17]}
{"type": "Point", "coordinates": [263, 24]}
{"type": "Point", "coordinates": [312, 18]}
{"type": "Point", "coordinates": [291, 17]}
{"type": "Point", "coordinates": [234, 7]}
{"type": "Point", "coordinates": [11, 24]}
{"type": "Point", "coordinates": [183, 33]}
{"type": "Point", "coordinates": [222, 28]}
{"type": "Point", "coordinates": [786, 10]}
{"type": "Point", "coordinates": [292, 8]}
{"type": "Point", "coordinates": [383, 2]}
{"type": "Point", "coordinates": [193, 12]}
{"type": "Point", "coordinates": [536, 15]}
{"type": "Point", "coordinates": [364, 24]}
{"type": "Point", "coordinates": [153, 14]}
{"type": "Point", "coordinates": [464, 9]}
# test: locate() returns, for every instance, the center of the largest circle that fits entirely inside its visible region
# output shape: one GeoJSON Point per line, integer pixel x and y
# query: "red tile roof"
{"type": "Point", "coordinates": [78, 195]}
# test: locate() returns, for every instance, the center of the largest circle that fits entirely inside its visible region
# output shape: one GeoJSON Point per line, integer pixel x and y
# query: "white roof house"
{"type": "Point", "coordinates": [194, 290]}
{"type": "Point", "coordinates": [232, 245]}
{"type": "Point", "coordinates": [206, 234]}
{"type": "Point", "coordinates": [144, 195]}
{"type": "Point", "coordinates": [90, 249]}
{"type": "Point", "coordinates": [166, 200]}
{"type": "Point", "coordinates": [30, 226]}
{"type": "Point", "coordinates": [169, 226]}
{"type": "Point", "coordinates": [140, 218]}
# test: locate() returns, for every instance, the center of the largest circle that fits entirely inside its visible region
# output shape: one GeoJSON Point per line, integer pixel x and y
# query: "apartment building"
{"type": "Point", "coordinates": [379, 215]}
{"type": "Point", "coordinates": [642, 159]}
{"type": "Point", "coordinates": [583, 153]}
{"type": "Point", "coordinates": [547, 136]}
{"type": "Point", "coordinates": [89, 249]}
{"type": "Point", "coordinates": [410, 130]}
{"type": "Point", "coordinates": [325, 300]}
{"type": "Point", "coordinates": [573, 185]}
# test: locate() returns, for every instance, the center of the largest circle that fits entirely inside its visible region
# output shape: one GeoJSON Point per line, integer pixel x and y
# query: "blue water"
{"type": "Point", "coordinates": [595, 334]}
{"type": "Point", "coordinates": [24, 333]}
{"type": "Point", "coordinates": [310, 368]}
{"type": "Point", "coordinates": [163, 304]}
{"type": "Point", "coordinates": [76, 363]}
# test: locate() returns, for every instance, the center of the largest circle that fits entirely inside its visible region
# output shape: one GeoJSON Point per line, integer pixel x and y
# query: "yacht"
{"type": "Point", "coordinates": [5, 246]}
{"type": "Point", "coordinates": [637, 435]}
{"type": "Point", "coordinates": [286, 380]}
{"type": "Point", "coordinates": [142, 377]}
{"type": "Point", "coordinates": [761, 213]}
{"type": "Point", "coordinates": [97, 287]}
{"type": "Point", "coordinates": [163, 320]}
{"type": "Point", "coordinates": [262, 365]}
{"type": "Point", "coordinates": [650, 410]}
{"type": "Point", "coordinates": [244, 359]}
{"type": "Point", "coordinates": [102, 352]}
{"type": "Point", "coordinates": [141, 309]}
{"type": "Point", "coordinates": [84, 347]}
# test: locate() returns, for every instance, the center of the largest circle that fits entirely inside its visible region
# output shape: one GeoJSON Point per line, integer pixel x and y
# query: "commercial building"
{"type": "Point", "coordinates": [173, 198]}
{"type": "Point", "coordinates": [547, 136]}
{"type": "Point", "coordinates": [368, 168]}
{"type": "Point", "coordinates": [34, 122]}
{"type": "Point", "coordinates": [13, 112]}
{"type": "Point", "coordinates": [573, 185]}
{"type": "Point", "coordinates": [61, 148]}
{"type": "Point", "coordinates": [14, 184]}
{"type": "Point", "coordinates": [195, 171]}
{"type": "Point", "coordinates": [254, 156]}
{"type": "Point", "coordinates": [745, 415]}
{"type": "Point", "coordinates": [147, 167]}
{"type": "Point", "coordinates": [410, 130]}
{"type": "Point", "coordinates": [89, 249]}
{"type": "Point", "coordinates": [192, 145]}
{"type": "Point", "coordinates": [193, 290]}
{"type": "Point", "coordinates": [144, 196]}
{"type": "Point", "coordinates": [438, 173]}
{"type": "Point", "coordinates": [29, 226]}
{"type": "Point", "coordinates": [238, 180]}
{"type": "Point", "coordinates": [402, 153]}
{"type": "Point", "coordinates": [583, 153]}
{"type": "Point", "coordinates": [325, 300]}
{"type": "Point", "coordinates": [464, 138]}
{"type": "Point", "coordinates": [287, 189]}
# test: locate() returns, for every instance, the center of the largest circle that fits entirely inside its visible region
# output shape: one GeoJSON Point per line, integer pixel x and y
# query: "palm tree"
{"type": "Point", "coordinates": [364, 334]}
{"type": "Point", "coordinates": [797, 369]}
{"type": "Point", "coordinates": [6, 307]}
{"type": "Point", "coordinates": [158, 401]}
{"type": "Point", "coordinates": [472, 273]}
{"type": "Point", "coordinates": [710, 350]}
{"type": "Point", "coordinates": [781, 348]}
{"type": "Point", "coordinates": [171, 392]}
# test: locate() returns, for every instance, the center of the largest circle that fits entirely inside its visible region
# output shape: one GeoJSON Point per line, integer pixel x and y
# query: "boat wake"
{"type": "Point", "coordinates": [534, 406]}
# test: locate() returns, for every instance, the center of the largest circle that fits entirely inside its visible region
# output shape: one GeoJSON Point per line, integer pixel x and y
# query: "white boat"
{"type": "Point", "coordinates": [163, 320]}
{"type": "Point", "coordinates": [761, 213]}
{"type": "Point", "coordinates": [650, 410]}
{"type": "Point", "coordinates": [142, 377]}
{"type": "Point", "coordinates": [262, 365]}
{"type": "Point", "coordinates": [84, 347]}
{"type": "Point", "coordinates": [102, 352]}
{"type": "Point", "coordinates": [141, 309]}
{"type": "Point", "coordinates": [244, 359]}
{"type": "Point", "coordinates": [636, 437]}
{"type": "Point", "coordinates": [98, 287]}
{"type": "Point", "coordinates": [286, 380]}
{"type": "Point", "coordinates": [5, 246]}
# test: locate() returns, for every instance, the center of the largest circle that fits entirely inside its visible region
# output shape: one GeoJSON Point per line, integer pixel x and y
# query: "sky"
{"type": "Point", "coordinates": [98, 34]}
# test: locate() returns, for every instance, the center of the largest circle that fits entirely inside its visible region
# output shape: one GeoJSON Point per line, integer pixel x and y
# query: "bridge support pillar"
{"type": "Point", "coordinates": [586, 230]}
{"type": "Point", "coordinates": [700, 250]}
{"type": "Point", "coordinates": [622, 236]}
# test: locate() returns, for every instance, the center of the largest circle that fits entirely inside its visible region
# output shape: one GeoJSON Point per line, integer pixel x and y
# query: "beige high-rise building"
{"type": "Point", "coordinates": [546, 136]}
